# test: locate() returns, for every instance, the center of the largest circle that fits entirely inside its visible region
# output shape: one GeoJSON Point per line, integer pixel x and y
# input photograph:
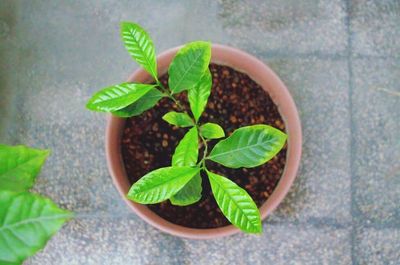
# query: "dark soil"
{"type": "Point", "coordinates": [148, 143]}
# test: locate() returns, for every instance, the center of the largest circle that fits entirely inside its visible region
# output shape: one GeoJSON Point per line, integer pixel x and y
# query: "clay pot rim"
{"type": "Point", "coordinates": [270, 82]}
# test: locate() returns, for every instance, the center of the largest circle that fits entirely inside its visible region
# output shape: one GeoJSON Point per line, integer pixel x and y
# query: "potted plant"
{"type": "Point", "coordinates": [185, 156]}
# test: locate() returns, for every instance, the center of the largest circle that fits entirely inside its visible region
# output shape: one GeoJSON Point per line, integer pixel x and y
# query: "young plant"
{"type": "Point", "coordinates": [27, 220]}
{"type": "Point", "coordinates": [181, 183]}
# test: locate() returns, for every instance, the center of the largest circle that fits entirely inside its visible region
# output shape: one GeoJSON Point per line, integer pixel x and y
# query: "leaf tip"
{"type": "Point", "coordinates": [90, 106]}
{"type": "Point", "coordinates": [126, 24]}
{"type": "Point", "coordinates": [46, 153]}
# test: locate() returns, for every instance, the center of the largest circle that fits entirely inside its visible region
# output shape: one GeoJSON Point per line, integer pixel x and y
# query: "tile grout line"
{"type": "Point", "coordinates": [352, 143]}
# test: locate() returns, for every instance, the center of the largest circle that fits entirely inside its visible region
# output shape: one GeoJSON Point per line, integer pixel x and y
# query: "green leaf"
{"type": "Point", "coordinates": [178, 119]}
{"type": "Point", "coordinates": [190, 193]}
{"type": "Point", "coordinates": [189, 65]}
{"type": "Point", "coordinates": [140, 46]}
{"type": "Point", "coordinates": [117, 97]}
{"type": "Point", "coordinates": [27, 221]}
{"type": "Point", "coordinates": [235, 203]}
{"type": "Point", "coordinates": [19, 166]}
{"type": "Point", "coordinates": [161, 184]}
{"type": "Point", "coordinates": [212, 131]}
{"type": "Point", "coordinates": [248, 146]}
{"type": "Point", "coordinates": [186, 154]}
{"type": "Point", "coordinates": [187, 151]}
{"type": "Point", "coordinates": [141, 105]}
{"type": "Point", "coordinates": [199, 93]}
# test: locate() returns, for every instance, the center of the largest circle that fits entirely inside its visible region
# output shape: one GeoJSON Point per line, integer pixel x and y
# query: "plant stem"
{"type": "Point", "coordinates": [170, 96]}
{"type": "Point", "coordinates": [203, 160]}
{"type": "Point", "coordinates": [163, 89]}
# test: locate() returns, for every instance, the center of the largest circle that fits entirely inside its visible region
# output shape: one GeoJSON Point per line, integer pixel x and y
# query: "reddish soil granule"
{"type": "Point", "coordinates": [148, 143]}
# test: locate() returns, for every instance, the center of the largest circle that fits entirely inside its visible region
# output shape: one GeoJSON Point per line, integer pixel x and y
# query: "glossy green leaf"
{"type": "Point", "coordinates": [189, 65]}
{"type": "Point", "coordinates": [236, 204]}
{"type": "Point", "coordinates": [248, 146]}
{"type": "Point", "coordinates": [190, 193]}
{"type": "Point", "coordinates": [19, 166]}
{"type": "Point", "coordinates": [117, 97]}
{"type": "Point", "coordinates": [178, 118]}
{"type": "Point", "coordinates": [140, 46]}
{"type": "Point", "coordinates": [144, 103]}
{"type": "Point", "coordinates": [161, 184]}
{"type": "Point", "coordinates": [199, 93]}
{"type": "Point", "coordinates": [186, 154]}
{"type": "Point", "coordinates": [211, 131]}
{"type": "Point", "coordinates": [27, 221]}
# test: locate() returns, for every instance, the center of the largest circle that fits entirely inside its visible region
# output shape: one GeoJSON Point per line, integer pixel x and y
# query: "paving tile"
{"type": "Point", "coordinates": [322, 188]}
{"type": "Point", "coordinates": [375, 27]}
{"type": "Point", "coordinates": [376, 121]}
{"type": "Point", "coordinates": [131, 241]}
{"type": "Point", "coordinates": [203, 23]}
{"type": "Point", "coordinates": [51, 67]}
{"type": "Point", "coordinates": [75, 175]}
{"type": "Point", "coordinates": [110, 241]}
{"type": "Point", "coordinates": [277, 245]}
{"type": "Point", "coordinates": [83, 43]}
{"type": "Point", "coordinates": [50, 114]}
{"type": "Point", "coordinates": [286, 26]}
{"type": "Point", "coordinates": [377, 246]}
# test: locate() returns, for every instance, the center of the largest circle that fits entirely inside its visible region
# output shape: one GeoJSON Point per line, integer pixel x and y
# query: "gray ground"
{"type": "Point", "coordinates": [339, 59]}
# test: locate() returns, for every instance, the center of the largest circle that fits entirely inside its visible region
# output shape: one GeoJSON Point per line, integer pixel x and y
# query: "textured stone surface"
{"type": "Point", "coordinates": [377, 246]}
{"type": "Point", "coordinates": [339, 59]}
{"type": "Point", "coordinates": [376, 108]}
{"type": "Point", "coordinates": [281, 27]}
{"type": "Point", "coordinates": [131, 241]}
{"type": "Point", "coordinates": [280, 244]}
{"type": "Point", "coordinates": [375, 26]}
{"type": "Point", "coordinates": [321, 192]}
{"type": "Point", "coordinates": [121, 241]}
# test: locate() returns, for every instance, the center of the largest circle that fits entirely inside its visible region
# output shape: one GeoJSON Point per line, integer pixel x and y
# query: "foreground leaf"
{"type": "Point", "coordinates": [236, 204]}
{"type": "Point", "coordinates": [199, 93]}
{"type": "Point", "coordinates": [178, 119]}
{"type": "Point", "coordinates": [144, 103]}
{"type": "Point", "coordinates": [211, 131]}
{"type": "Point", "coordinates": [117, 97]}
{"type": "Point", "coordinates": [248, 146]}
{"type": "Point", "coordinates": [161, 184]}
{"type": "Point", "coordinates": [140, 46]}
{"type": "Point", "coordinates": [19, 166]}
{"type": "Point", "coordinates": [189, 65]}
{"type": "Point", "coordinates": [186, 154]}
{"type": "Point", "coordinates": [27, 221]}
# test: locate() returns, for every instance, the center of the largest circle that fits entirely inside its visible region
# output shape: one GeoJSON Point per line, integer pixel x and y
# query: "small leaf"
{"type": "Point", "coordinates": [27, 222]}
{"type": "Point", "coordinates": [140, 46]}
{"type": "Point", "coordinates": [190, 193]}
{"type": "Point", "coordinates": [144, 103]}
{"type": "Point", "coordinates": [161, 184]}
{"type": "Point", "coordinates": [186, 154]}
{"type": "Point", "coordinates": [189, 65]}
{"type": "Point", "coordinates": [248, 146]}
{"type": "Point", "coordinates": [19, 166]}
{"type": "Point", "coordinates": [235, 203]}
{"type": "Point", "coordinates": [178, 119]}
{"type": "Point", "coordinates": [199, 93]}
{"type": "Point", "coordinates": [211, 131]}
{"type": "Point", "coordinates": [117, 97]}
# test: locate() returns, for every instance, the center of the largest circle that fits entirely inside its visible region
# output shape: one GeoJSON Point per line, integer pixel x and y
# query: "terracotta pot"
{"type": "Point", "coordinates": [260, 73]}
